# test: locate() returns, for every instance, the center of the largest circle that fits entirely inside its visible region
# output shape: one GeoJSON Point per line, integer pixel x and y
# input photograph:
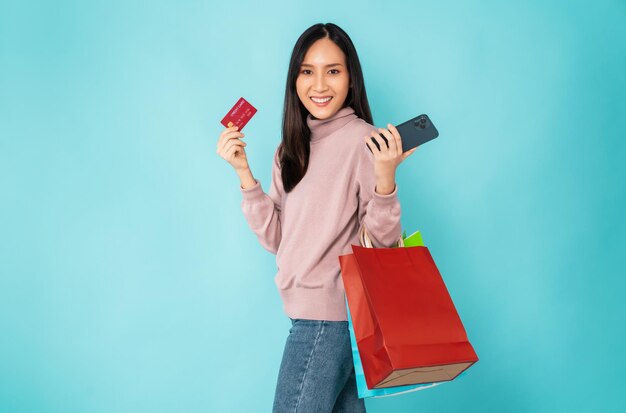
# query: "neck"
{"type": "Point", "coordinates": [321, 128]}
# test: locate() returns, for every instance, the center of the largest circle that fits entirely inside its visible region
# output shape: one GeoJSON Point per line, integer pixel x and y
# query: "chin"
{"type": "Point", "coordinates": [325, 112]}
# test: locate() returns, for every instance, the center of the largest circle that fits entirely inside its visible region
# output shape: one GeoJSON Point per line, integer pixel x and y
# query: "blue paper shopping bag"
{"type": "Point", "coordinates": [361, 385]}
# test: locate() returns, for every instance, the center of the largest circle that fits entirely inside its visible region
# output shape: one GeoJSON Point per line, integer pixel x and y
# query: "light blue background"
{"type": "Point", "coordinates": [130, 281]}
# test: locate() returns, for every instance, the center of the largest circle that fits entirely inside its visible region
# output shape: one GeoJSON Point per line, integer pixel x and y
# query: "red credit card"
{"type": "Point", "coordinates": [239, 115]}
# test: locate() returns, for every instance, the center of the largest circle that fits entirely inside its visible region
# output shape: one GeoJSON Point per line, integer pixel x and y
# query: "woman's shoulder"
{"type": "Point", "coordinates": [360, 126]}
{"type": "Point", "coordinates": [359, 129]}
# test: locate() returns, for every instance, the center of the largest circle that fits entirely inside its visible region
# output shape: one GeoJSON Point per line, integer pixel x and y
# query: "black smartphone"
{"type": "Point", "coordinates": [413, 132]}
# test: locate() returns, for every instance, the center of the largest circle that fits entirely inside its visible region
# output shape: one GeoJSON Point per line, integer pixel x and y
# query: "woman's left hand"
{"type": "Point", "coordinates": [387, 159]}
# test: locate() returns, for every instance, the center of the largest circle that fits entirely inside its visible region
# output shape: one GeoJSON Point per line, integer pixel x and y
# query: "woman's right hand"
{"type": "Point", "coordinates": [232, 149]}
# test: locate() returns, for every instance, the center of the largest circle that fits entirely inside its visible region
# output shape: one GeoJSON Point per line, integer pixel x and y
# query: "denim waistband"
{"type": "Point", "coordinates": [317, 322]}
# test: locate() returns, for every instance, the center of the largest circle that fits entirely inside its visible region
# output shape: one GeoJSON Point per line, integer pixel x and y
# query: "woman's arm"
{"type": "Point", "coordinates": [263, 211]}
{"type": "Point", "coordinates": [379, 206]}
{"type": "Point", "coordinates": [246, 178]}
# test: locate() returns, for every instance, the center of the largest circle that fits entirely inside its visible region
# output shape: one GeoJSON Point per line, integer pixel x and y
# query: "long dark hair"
{"type": "Point", "coordinates": [294, 149]}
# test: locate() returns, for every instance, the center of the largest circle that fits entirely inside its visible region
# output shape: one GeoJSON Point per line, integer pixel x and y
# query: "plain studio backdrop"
{"type": "Point", "coordinates": [131, 282]}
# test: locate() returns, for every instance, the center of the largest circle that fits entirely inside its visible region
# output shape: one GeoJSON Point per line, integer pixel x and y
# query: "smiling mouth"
{"type": "Point", "coordinates": [322, 100]}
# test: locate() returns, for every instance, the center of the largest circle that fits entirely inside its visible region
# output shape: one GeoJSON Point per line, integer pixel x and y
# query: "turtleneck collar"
{"type": "Point", "coordinates": [321, 128]}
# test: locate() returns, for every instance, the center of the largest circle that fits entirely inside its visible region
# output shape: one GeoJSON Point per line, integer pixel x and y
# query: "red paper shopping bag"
{"type": "Point", "coordinates": [405, 323]}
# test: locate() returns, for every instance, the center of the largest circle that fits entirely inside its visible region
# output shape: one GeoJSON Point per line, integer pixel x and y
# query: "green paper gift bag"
{"type": "Point", "coordinates": [413, 240]}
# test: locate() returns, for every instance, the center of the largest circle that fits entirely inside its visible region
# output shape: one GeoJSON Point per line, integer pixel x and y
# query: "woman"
{"type": "Point", "coordinates": [328, 179]}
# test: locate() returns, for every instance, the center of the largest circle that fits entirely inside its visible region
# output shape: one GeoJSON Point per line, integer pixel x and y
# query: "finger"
{"type": "Point", "coordinates": [371, 145]}
{"type": "Point", "coordinates": [228, 131]}
{"type": "Point", "coordinates": [233, 151]}
{"type": "Point", "coordinates": [396, 135]}
{"type": "Point", "coordinates": [376, 134]}
{"type": "Point", "coordinates": [373, 137]}
{"type": "Point", "coordinates": [230, 143]}
{"type": "Point", "coordinates": [409, 152]}
{"type": "Point", "coordinates": [231, 134]}
{"type": "Point", "coordinates": [391, 141]}
{"type": "Point", "coordinates": [234, 142]}
{"type": "Point", "coordinates": [228, 137]}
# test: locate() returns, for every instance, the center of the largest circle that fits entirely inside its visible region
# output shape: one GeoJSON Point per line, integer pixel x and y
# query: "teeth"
{"type": "Point", "coordinates": [316, 100]}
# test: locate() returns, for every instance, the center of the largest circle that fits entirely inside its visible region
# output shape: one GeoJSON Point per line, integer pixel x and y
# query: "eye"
{"type": "Point", "coordinates": [307, 70]}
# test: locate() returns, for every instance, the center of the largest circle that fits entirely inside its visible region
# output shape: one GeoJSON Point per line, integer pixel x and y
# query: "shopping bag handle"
{"type": "Point", "coordinates": [366, 241]}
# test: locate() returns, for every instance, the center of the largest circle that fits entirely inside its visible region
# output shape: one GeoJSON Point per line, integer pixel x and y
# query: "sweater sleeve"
{"type": "Point", "coordinates": [263, 211]}
{"type": "Point", "coordinates": [380, 213]}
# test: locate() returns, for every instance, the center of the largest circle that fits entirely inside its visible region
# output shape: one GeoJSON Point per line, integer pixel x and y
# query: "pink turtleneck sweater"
{"type": "Point", "coordinates": [310, 227]}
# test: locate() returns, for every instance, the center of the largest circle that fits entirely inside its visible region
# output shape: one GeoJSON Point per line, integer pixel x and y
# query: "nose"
{"type": "Point", "coordinates": [320, 83]}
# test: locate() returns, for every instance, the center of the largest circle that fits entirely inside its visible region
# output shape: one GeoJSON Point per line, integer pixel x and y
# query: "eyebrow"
{"type": "Point", "coordinates": [330, 65]}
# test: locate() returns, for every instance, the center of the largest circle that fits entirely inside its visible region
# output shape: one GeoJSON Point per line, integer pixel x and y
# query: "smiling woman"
{"type": "Point", "coordinates": [324, 76]}
{"type": "Point", "coordinates": [321, 87]}
{"type": "Point", "coordinates": [308, 223]}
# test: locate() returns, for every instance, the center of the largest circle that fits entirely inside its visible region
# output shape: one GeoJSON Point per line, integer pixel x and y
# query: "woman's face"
{"type": "Point", "coordinates": [323, 74]}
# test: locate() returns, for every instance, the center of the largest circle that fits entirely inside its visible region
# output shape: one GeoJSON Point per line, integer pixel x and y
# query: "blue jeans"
{"type": "Point", "coordinates": [317, 373]}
